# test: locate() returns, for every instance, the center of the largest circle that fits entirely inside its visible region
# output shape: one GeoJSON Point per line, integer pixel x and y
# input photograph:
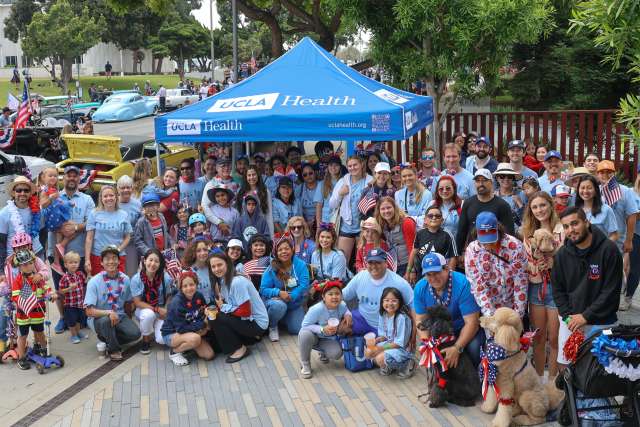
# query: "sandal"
{"type": "Point", "coordinates": [178, 359]}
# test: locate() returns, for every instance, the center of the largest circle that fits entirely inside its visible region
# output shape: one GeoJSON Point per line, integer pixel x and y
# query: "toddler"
{"type": "Point", "coordinates": [72, 286]}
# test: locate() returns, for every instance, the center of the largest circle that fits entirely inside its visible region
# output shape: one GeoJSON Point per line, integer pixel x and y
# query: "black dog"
{"type": "Point", "coordinates": [459, 385]}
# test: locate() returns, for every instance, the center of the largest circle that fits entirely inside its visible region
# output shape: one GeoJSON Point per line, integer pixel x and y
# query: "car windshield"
{"type": "Point", "coordinates": [124, 150]}
{"type": "Point", "coordinates": [114, 100]}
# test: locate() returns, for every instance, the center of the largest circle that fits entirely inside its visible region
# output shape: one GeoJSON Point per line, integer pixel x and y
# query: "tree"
{"type": "Point", "coordinates": [62, 34]}
{"type": "Point", "coordinates": [616, 27]}
{"type": "Point", "coordinates": [22, 11]}
{"type": "Point", "coordinates": [181, 36]}
{"type": "Point", "coordinates": [457, 46]}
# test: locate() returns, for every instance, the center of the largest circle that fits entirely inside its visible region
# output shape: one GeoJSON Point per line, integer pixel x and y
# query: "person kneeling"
{"type": "Point", "coordinates": [391, 351]}
{"type": "Point", "coordinates": [104, 302]}
{"type": "Point", "coordinates": [185, 326]}
{"type": "Point", "coordinates": [320, 326]}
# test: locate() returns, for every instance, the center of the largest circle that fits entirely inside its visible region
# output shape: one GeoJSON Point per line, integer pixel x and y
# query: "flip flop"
{"type": "Point", "coordinates": [230, 359]}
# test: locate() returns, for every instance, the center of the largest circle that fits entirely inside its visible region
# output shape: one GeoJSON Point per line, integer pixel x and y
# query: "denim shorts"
{"type": "Point", "coordinates": [167, 339]}
{"type": "Point", "coordinates": [535, 290]}
{"type": "Point", "coordinates": [396, 358]}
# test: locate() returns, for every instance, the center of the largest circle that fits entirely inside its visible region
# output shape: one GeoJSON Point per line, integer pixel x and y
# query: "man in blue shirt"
{"type": "Point", "coordinates": [553, 168]}
{"type": "Point", "coordinates": [452, 290]}
{"type": "Point", "coordinates": [105, 297]}
{"type": "Point", "coordinates": [191, 189]}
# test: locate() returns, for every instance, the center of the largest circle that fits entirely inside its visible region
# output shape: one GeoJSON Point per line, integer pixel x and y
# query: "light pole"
{"type": "Point", "coordinates": [213, 57]}
{"type": "Point", "coordinates": [234, 13]}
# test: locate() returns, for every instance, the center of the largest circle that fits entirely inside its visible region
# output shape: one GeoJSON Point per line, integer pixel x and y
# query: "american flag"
{"type": "Point", "coordinates": [27, 299]}
{"type": "Point", "coordinates": [172, 264]}
{"type": "Point", "coordinates": [24, 112]}
{"type": "Point", "coordinates": [367, 203]}
{"type": "Point", "coordinates": [86, 178]}
{"type": "Point", "coordinates": [611, 192]}
{"type": "Point", "coordinates": [392, 262]}
{"type": "Point", "coordinates": [256, 266]}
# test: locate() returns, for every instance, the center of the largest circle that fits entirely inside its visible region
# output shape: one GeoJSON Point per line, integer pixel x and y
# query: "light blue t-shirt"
{"type": "Point", "coordinates": [546, 185]}
{"type": "Point", "coordinates": [627, 205]}
{"type": "Point", "coordinates": [324, 201]}
{"type": "Point", "coordinates": [283, 212]}
{"type": "Point", "coordinates": [133, 208]}
{"type": "Point", "coordinates": [407, 202]}
{"type": "Point", "coordinates": [333, 265]}
{"type": "Point", "coordinates": [110, 229]}
{"type": "Point", "coordinates": [357, 190]}
{"type": "Point", "coordinates": [241, 291]}
{"type": "Point", "coordinates": [81, 206]}
{"type": "Point", "coordinates": [318, 315]}
{"type": "Point", "coordinates": [464, 182]}
{"type": "Point", "coordinates": [7, 228]}
{"type": "Point", "coordinates": [308, 202]}
{"type": "Point", "coordinates": [605, 220]}
{"type": "Point", "coordinates": [191, 193]}
{"type": "Point", "coordinates": [396, 331]}
{"type": "Point", "coordinates": [137, 288]}
{"type": "Point", "coordinates": [368, 292]}
{"type": "Point", "coordinates": [97, 293]}
{"type": "Point", "coordinates": [204, 283]}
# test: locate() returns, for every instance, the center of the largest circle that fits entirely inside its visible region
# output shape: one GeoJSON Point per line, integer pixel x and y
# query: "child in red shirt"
{"type": "Point", "coordinates": [72, 286]}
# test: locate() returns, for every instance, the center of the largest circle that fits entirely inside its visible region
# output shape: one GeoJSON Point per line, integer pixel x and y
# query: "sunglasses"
{"type": "Point", "coordinates": [22, 190]}
{"type": "Point", "coordinates": [188, 168]}
{"type": "Point", "coordinates": [427, 157]}
{"type": "Point", "coordinates": [434, 216]}
{"type": "Point", "coordinates": [445, 189]}
{"type": "Point", "coordinates": [296, 227]}
{"type": "Point", "coordinates": [307, 174]}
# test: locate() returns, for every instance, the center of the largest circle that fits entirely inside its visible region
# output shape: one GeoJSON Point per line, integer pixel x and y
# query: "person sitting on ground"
{"type": "Point", "coordinates": [185, 327]}
{"type": "Point", "coordinates": [107, 293]}
{"type": "Point", "coordinates": [242, 318]}
{"type": "Point", "coordinates": [320, 327]}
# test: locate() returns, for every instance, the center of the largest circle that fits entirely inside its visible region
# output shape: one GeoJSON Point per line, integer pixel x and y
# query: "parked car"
{"type": "Point", "coordinates": [178, 98]}
{"type": "Point", "coordinates": [10, 166]}
{"type": "Point", "coordinates": [125, 106]}
{"type": "Point", "coordinates": [36, 141]}
{"type": "Point", "coordinates": [107, 158]}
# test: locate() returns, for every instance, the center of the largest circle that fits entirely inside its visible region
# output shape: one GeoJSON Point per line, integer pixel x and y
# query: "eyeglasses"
{"type": "Point", "coordinates": [443, 189]}
{"type": "Point", "coordinates": [22, 190]}
{"type": "Point", "coordinates": [296, 227]}
{"type": "Point", "coordinates": [307, 174]}
{"type": "Point", "coordinates": [434, 216]}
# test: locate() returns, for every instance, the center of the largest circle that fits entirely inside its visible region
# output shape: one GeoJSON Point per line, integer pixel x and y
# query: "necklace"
{"type": "Point", "coordinates": [446, 295]}
{"type": "Point", "coordinates": [113, 295]}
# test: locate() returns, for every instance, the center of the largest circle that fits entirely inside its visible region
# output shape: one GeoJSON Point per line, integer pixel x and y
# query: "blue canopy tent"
{"type": "Point", "coordinates": [305, 95]}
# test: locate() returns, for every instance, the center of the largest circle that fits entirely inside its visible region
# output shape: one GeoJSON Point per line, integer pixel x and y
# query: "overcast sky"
{"type": "Point", "coordinates": [203, 15]}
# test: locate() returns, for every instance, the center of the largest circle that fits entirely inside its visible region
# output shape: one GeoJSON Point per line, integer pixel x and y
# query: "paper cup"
{"type": "Point", "coordinates": [333, 322]}
{"type": "Point", "coordinates": [370, 340]}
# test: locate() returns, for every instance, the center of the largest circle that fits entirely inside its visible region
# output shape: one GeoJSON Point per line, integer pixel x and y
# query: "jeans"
{"type": "Point", "coordinates": [308, 341]}
{"type": "Point", "coordinates": [3, 318]}
{"type": "Point", "coordinates": [474, 346]}
{"type": "Point", "coordinates": [278, 311]}
{"type": "Point", "coordinates": [634, 270]}
{"type": "Point", "coordinates": [124, 332]}
{"type": "Point", "coordinates": [396, 358]}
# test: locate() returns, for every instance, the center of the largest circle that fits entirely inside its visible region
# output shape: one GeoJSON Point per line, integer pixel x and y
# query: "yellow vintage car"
{"type": "Point", "coordinates": [112, 157]}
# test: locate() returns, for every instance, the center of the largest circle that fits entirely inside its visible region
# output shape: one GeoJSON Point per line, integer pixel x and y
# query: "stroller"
{"type": "Point", "coordinates": [586, 380]}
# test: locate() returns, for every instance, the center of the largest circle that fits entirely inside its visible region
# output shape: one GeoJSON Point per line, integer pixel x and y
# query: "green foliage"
{"type": "Point", "coordinates": [15, 25]}
{"type": "Point", "coordinates": [183, 37]}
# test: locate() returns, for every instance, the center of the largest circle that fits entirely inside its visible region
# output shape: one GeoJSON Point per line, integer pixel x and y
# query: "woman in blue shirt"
{"type": "Point", "coordinates": [195, 258]}
{"type": "Point", "coordinates": [284, 288]}
{"type": "Point", "coordinates": [413, 198]}
{"type": "Point", "coordinates": [309, 188]}
{"type": "Point", "coordinates": [324, 212]}
{"type": "Point", "coordinates": [133, 208]}
{"type": "Point", "coordinates": [242, 318]}
{"type": "Point", "coordinates": [303, 245]}
{"type": "Point", "coordinates": [285, 204]}
{"type": "Point", "coordinates": [328, 262]}
{"type": "Point", "coordinates": [447, 199]}
{"type": "Point", "coordinates": [599, 214]}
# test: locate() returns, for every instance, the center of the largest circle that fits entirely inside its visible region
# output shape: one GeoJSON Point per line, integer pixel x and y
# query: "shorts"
{"type": "Point", "coordinates": [535, 289]}
{"type": "Point", "coordinates": [167, 339]}
{"type": "Point", "coordinates": [564, 333]}
{"type": "Point", "coordinates": [349, 235]}
{"type": "Point", "coordinates": [396, 358]}
{"type": "Point", "coordinates": [24, 329]}
{"type": "Point", "coordinates": [72, 316]}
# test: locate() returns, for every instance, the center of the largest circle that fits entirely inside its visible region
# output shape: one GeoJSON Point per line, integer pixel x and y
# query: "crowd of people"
{"type": "Point", "coordinates": [214, 260]}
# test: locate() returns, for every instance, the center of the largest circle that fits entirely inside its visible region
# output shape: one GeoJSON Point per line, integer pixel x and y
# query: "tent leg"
{"type": "Point", "coordinates": [158, 159]}
{"type": "Point", "coordinates": [351, 148]}
{"type": "Point", "coordinates": [403, 146]}
{"type": "Point", "coordinates": [248, 149]}
{"type": "Point", "coordinates": [234, 156]}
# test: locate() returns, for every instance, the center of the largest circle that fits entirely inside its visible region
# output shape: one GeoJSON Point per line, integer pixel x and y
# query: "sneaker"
{"type": "Point", "coordinates": [625, 304]}
{"type": "Point", "coordinates": [145, 348]}
{"type": "Point", "coordinates": [101, 346]}
{"type": "Point", "coordinates": [323, 358]}
{"type": "Point", "coordinates": [408, 370]}
{"type": "Point", "coordinates": [24, 364]}
{"type": "Point", "coordinates": [76, 339]}
{"type": "Point", "coordinates": [83, 336]}
{"type": "Point", "coordinates": [305, 370]}
{"type": "Point", "coordinates": [274, 335]}
{"type": "Point", "coordinates": [60, 327]}
{"type": "Point", "coordinates": [178, 359]}
{"type": "Point", "coordinates": [385, 372]}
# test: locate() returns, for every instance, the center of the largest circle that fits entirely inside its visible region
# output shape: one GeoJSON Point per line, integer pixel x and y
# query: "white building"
{"type": "Point", "coordinates": [92, 62]}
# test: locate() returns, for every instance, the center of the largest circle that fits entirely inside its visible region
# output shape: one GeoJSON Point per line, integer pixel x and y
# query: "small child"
{"type": "Point", "coordinates": [198, 227]}
{"type": "Point", "coordinates": [530, 186]}
{"type": "Point", "coordinates": [56, 212]}
{"type": "Point", "coordinates": [561, 196]}
{"type": "Point", "coordinates": [72, 286]}
{"type": "Point", "coordinates": [180, 232]}
{"type": "Point", "coordinates": [222, 215]}
{"type": "Point", "coordinates": [395, 326]}
{"type": "Point", "coordinates": [28, 290]}
{"type": "Point", "coordinates": [316, 331]}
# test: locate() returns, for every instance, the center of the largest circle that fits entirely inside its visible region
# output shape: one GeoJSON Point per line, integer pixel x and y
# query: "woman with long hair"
{"type": "Point", "coordinates": [540, 214]}
{"type": "Point", "coordinates": [328, 262]}
{"type": "Point", "coordinates": [141, 176]}
{"type": "Point", "coordinates": [285, 204]}
{"type": "Point", "coordinates": [399, 231]}
{"type": "Point", "coordinates": [304, 246]}
{"type": "Point", "coordinates": [107, 225]}
{"type": "Point", "coordinates": [284, 288]}
{"type": "Point", "coordinates": [447, 199]}
{"type": "Point", "coordinates": [380, 186]}
{"type": "Point", "coordinates": [372, 160]}
{"type": "Point", "coordinates": [598, 213]}
{"type": "Point", "coordinates": [242, 317]}
{"type": "Point", "coordinates": [333, 173]}
{"type": "Point", "coordinates": [413, 198]}
{"type": "Point", "coordinates": [132, 206]}
{"type": "Point", "coordinates": [309, 189]}
{"type": "Point", "coordinates": [167, 188]}
{"type": "Point", "coordinates": [258, 259]}
{"type": "Point", "coordinates": [346, 196]}
{"type": "Point", "coordinates": [252, 183]}
{"type": "Point", "coordinates": [195, 259]}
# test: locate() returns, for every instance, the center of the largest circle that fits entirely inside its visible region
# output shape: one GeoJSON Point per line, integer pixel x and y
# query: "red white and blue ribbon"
{"type": "Point", "coordinates": [432, 357]}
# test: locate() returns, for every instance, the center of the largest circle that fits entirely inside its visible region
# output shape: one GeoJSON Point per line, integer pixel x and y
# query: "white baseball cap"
{"type": "Point", "coordinates": [382, 167]}
{"type": "Point", "coordinates": [234, 243]}
{"type": "Point", "coordinates": [485, 173]}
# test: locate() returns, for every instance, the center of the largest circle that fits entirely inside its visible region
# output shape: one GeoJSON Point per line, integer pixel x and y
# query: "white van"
{"type": "Point", "coordinates": [11, 166]}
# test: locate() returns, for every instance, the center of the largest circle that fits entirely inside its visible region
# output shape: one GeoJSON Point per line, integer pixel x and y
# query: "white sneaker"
{"type": "Point", "coordinates": [305, 370]}
{"type": "Point", "coordinates": [625, 303]}
{"type": "Point", "coordinates": [101, 346]}
{"type": "Point", "coordinates": [274, 335]}
{"type": "Point", "coordinates": [178, 359]}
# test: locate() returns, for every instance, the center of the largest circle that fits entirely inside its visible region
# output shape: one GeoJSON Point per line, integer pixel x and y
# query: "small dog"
{"type": "Point", "coordinates": [459, 385]}
{"type": "Point", "coordinates": [543, 244]}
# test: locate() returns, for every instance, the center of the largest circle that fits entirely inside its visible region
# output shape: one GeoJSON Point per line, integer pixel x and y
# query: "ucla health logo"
{"type": "Point", "coordinates": [264, 101]}
{"type": "Point", "coordinates": [183, 127]}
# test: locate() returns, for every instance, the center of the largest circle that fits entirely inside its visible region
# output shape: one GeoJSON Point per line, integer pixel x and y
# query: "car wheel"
{"type": "Point", "coordinates": [155, 110]}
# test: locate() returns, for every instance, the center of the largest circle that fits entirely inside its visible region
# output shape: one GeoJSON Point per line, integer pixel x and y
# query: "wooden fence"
{"type": "Point", "coordinates": [575, 133]}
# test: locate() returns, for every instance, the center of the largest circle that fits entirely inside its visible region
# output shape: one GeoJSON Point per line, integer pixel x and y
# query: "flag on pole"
{"type": "Point", "coordinates": [12, 102]}
{"type": "Point", "coordinates": [27, 299]}
{"type": "Point", "coordinates": [24, 112]}
{"type": "Point", "coordinates": [256, 266]}
{"type": "Point", "coordinates": [367, 203]}
{"type": "Point", "coordinates": [611, 192]}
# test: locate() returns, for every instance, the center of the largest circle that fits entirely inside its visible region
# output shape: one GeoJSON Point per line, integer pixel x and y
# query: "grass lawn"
{"type": "Point", "coordinates": [47, 88]}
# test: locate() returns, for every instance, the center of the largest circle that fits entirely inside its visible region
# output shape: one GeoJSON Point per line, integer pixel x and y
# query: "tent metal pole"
{"type": "Point", "coordinates": [234, 155]}
{"type": "Point", "coordinates": [403, 146]}
{"type": "Point", "coordinates": [234, 13]}
{"type": "Point", "coordinates": [158, 158]}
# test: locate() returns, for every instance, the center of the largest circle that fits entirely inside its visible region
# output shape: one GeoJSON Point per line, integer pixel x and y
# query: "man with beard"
{"type": "Point", "coordinates": [484, 201]}
{"type": "Point", "coordinates": [516, 151]}
{"type": "Point", "coordinates": [586, 277]}
{"type": "Point", "coordinates": [553, 168]}
{"type": "Point", "coordinates": [483, 159]}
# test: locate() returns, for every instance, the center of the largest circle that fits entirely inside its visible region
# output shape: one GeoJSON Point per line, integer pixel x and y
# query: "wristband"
{"type": "Point", "coordinates": [387, 346]}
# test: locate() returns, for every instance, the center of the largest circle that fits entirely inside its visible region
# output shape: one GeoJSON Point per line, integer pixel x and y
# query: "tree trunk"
{"type": "Point", "coordinates": [66, 67]}
{"type": "Point", "coordinates": [134, 54]}
{"type": "Point", "coordinates": [158, 67]}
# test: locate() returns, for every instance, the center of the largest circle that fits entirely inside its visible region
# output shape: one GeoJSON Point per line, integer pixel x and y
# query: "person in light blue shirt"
{"type": "Point", "coordinates": [516, 150]}
{"type": "Point", "coordinates": [634, 257]}
{"type": "Point", "coordinates": [304, 246]}
{"type": "Point", "coordinates": [599, 214]}
{"type": "Point", "coordinates": [105, 297]}
{"type": "Point", "coordinates": [317, 332]}
{"type": "Point", "coordinates": [285, 205]}
{"type": "Point", "coordinates": [366, 287]}
{"type": "Point", "coordinates": [309, 189]}
{"type": "Point", "coordinates": [325, 188]}
{"type": "Point", "coordinates": [191, 189]}
{"type": "Point", "coordinates": [464, 179]}
{"type": "Point", "coordinates": [553, 169]}
{"type": "Point", "coordinates": [327, 261]}
{"type": "Point", "coordinates": [133, 208]}
{"type": "Point", "coordinates": [447, 199]}
{"type": "Point", "coordinates": [413, 198]}
{"type": "Point", "coordinates": [271, 182]}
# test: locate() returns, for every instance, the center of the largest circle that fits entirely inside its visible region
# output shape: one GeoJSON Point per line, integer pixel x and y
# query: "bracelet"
{"type": "Point", "coordinates": [322, 330]}
{"type": "Point", "coordinates": [387, 346]}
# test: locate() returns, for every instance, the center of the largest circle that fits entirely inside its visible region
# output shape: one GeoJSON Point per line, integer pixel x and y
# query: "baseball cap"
{"type": "Point", "coordinates": [484, 140]}
{"type": "Point", "coordinates": [606, 165]}
{"type": "Point", "coordinates": [516, 143]}
{"type": "Point", "coordinates": [148, 198]}
{"type": "Point", "coordinates": [71, 168]}
{"type": "Point", "coordinates": [551, 154]}
{"type": "Point", "coordinates": [485, 173]}
{"type": "Point", "coordinates": [223, 161]}
{"type": "Point", "coordinates": [561, 191]}
{"type": "Point", "coordinates": [382, 167]}
{"type": "Point", "coordinates": [433, 262]}
{"type": "Point", "coordinates": [376, 254]}
{"type": "Point", "coordinates": [487, 227]}
{"type": "Point", "coordinates": [110, 249]}
{"type": "Point", "coordinates": [234, 243]}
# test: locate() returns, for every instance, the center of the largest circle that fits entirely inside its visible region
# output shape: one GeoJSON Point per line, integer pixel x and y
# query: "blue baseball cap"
{"type": "Point", "coordinates": [551, 154]}
{"type": "Point", "coordinates": [484, 140]}
{"type": "Point", "coordinates": [376, 254]}
{"type": "Point", "coordinates": [487, 227]}
{"type": "Point", "coordinates": [433, 262]}
{"type": "Point", "coordinates": [148, 198]}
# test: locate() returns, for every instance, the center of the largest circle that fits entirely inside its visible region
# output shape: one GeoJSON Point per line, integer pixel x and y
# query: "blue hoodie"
{"type": "Point", "coordinates": [257, 221]}
{"type": "Point", "coordinates": [271, 286]}
{"type": "Point", "coordinates": [181, 318]}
